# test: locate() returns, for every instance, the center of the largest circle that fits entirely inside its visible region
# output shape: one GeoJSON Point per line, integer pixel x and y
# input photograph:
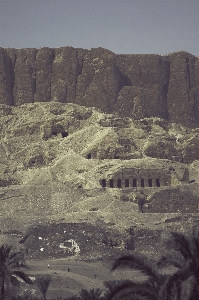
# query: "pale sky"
{"type": "Point", "coordinates": [122, 26]}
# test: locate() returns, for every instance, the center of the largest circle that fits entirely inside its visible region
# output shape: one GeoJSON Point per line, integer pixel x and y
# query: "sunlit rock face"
{"type": "Point", "coordinates": [137, 86]}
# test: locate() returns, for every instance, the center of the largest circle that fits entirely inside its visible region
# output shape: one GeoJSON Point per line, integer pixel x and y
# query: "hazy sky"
{"type": "Point", "coordinates": [123, 26]}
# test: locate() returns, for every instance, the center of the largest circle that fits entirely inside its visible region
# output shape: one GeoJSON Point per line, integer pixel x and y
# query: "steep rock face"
{"type": "Point", "coordinates": [135, 86]}
{"type": "Point", "coordinates": [183, 98]}
{"type": "Point", "coordinates": [24, 76]}
{"type": "Point", "coordinates": [196, 68]}
{"type": "Point", "coordinates": [145, 81]}
{"type": "Point", "coordinates": [98, 83]}
{"type": "Point", "coordinates": [64, 74]}
{"type": "Point", "coordinates": [5, 79]}
{"type": "Point", "coordinates": [43, 65]}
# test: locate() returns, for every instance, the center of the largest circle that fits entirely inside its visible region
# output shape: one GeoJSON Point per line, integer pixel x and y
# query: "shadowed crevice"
{"type": "Point", "coordinates": [12, 81]}
{"type": "Point", "coordinates": [124, 80]}
{"type": "Point", "coordinates": [188, 74]}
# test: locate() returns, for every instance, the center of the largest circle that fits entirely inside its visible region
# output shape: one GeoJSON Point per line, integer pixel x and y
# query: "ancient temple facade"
{"type": "Point", "coordinates": [136, 178]}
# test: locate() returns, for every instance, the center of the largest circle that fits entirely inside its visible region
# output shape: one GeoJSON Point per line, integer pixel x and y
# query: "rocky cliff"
{"type": "Point", "coordinates": [135, 86]}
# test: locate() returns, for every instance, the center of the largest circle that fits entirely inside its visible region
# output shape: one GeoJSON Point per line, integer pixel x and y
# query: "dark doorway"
{"type": "Point", "coordinates": [103, 182]}
{"type": "Point", "coordinates": [126, 182]}
{"type": "Point", "coordinates": [134, 182]}
{"type": "Point", "coordinates": [191, 181]}
{"type": "Point", "coordinates": [89, 156]}
{"type": "Point", "coordinates": [54, 133]}
{"type": "Point", "coordinates": [150, 182]}
{"type": "Point", "coordinates": [119, 183]}
{"type": "Point", "coordinates": [142, 182]}
{"type": "Point", "coordinates": [157, 182]}
{"type": "Point", "coordinates": [111, 183]}
{"type": "Point", "coordinates": [64, 134]}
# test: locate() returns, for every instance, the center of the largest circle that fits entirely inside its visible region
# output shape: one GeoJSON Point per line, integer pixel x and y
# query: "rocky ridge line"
{"type": "Point", "coordinates": [132, 85]}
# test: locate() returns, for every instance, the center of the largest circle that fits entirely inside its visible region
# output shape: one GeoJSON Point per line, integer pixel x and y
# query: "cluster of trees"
{"type": "Point", "coordinates": [182, 284]}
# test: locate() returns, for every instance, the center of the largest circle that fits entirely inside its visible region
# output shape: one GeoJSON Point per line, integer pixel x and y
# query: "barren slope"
{"type": "Point", "coordinates": [54, 158]}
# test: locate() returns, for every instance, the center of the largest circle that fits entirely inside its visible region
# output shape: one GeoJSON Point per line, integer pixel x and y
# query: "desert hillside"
{"type": "Point", "coordinates": [70, 175]}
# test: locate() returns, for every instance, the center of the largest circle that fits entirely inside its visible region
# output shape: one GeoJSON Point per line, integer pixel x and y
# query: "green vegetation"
{"type": "Point", "coordinates": [182, 253]}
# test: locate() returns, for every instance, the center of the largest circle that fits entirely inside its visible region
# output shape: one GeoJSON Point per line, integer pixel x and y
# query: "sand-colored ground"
{"type": "Point", "coordinates": [80, 276]}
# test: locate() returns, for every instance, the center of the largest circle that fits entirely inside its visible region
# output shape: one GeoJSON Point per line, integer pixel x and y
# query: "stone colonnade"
{"type": "Point", "coordinates": [131, 182]}
{"type": "Point", "coordinates": [135, 177]}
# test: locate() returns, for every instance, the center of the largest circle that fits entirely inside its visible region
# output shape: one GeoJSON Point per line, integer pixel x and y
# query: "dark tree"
{"type": "Point", "coordinates": [10, 269]}
{"type": "Point", "coordinates": [93, 294]}
{"type": "Point", "coordinates": [184, 257]}
{"type": "Point", "coordinates": [43, 283]}
{"type": "Point", "coordinates": [137, 290]}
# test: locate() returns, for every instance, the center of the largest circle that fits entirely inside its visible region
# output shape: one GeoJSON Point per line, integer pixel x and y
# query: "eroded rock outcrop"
{"type": "Point", "coordinates": [136, 86]}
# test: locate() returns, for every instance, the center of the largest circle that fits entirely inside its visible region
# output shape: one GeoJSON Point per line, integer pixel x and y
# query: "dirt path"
{"type": "Point", "coordinates": [81, 275]}
{"type": "Point", "coordinates": [64, 283]}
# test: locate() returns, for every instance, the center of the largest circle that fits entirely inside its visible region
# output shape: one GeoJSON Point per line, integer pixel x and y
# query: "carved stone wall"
{"type": "Point", "coordinates": [132, 178]}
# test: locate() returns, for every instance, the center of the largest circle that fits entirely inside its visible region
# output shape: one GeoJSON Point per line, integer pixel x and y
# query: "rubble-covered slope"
{"type": "Point", "coordinates": [54, 157]}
